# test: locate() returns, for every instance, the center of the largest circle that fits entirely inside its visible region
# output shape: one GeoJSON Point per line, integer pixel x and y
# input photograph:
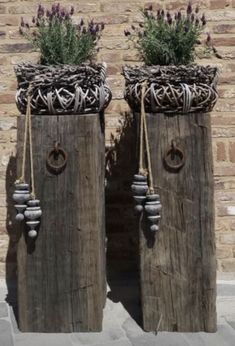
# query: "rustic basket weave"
{"type": "Point", "coordinates": [62, 89]}
{"type": "Point", "coordinates": [172, 89]}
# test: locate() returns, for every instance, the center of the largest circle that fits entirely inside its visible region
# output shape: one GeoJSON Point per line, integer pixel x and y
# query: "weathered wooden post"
{"type": "Point", "coordinates": [61, 272]}
{"type": "Point", "coordinates": [177, 262]}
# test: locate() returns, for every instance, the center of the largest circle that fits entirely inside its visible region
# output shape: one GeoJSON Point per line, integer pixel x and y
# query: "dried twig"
{"type": "Point", "coordinates": [62, 89]}
{"type": "Point", "coordinates": [172, 89]}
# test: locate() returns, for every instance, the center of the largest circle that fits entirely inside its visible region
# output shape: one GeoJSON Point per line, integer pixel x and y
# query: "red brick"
{"type": "Point", "coordinates": [223, 251]}
{"type": "Point", "coordinates": [232, 152]}
{"type": "Point", "coordinates": [181, 4]}
{"type": "Point", "coordinates": [22, 9]}
{"type": "Point", "coordinates": [224, 41]}
{"type": "Point", "coordinates": [120, 7]}
{"type": "Point", "coordinates": [3, 60]}
{"type": "Point", "coordinates": [87, 7]}
{"type": "Point", "coordinates": [220, 151]}
{"type": "Point", "coordinates": [221, 119]}
{"type": "Point", "coordinates": [228, 264]}
{"type": "Point", "coordinates": [7, 98]}
{"type": "Point", "coordinates": [224, 170]}
{"type": "Point", "coordinates": [217, 4]}
{"type": "Point", "coordinates": [223, 105]}
{"type": "Point", "coordinates": [113, 69]}
{"type": "Point", "coordinates": [112, 19]}
{"type": "Point", "coordinates": [15, 48]}
{"type": "Point", "coordinates": [227, 78]}
{"type": "Point", "coordinates": [224, 29]}
{"type": "Point", "coordinates": [2, 9]}
{"type": "Point", "coordinates": [9, 20]}
{"type": "Point", "coordinates": [223, 132]}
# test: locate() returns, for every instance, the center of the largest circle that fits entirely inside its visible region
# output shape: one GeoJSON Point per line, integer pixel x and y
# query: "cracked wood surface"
{"type": "Point", "coordinates": [178, 265]}
{"type": "Point", "coordinates": [61, 278]}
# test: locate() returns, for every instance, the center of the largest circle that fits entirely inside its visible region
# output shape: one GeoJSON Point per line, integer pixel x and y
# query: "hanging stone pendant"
{"type": "Point", "coordinates": [153, 207]}
{"type": "Point", "coordinates": [32, 213]}
{"type": "Point", "coordinates": [139, 189]}
{"type": "Point", "coordinates": [32, 225]}
{"type": "Point", "coordinates": [21, 196]}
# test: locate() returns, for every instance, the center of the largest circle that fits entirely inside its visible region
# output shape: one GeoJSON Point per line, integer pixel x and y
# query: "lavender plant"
{"type": "Point", "coordinates": [164, 39]}
{"type": "Point", "coordinates": [58, 39]}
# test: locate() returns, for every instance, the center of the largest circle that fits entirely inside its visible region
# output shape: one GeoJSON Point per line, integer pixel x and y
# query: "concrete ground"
{"type": "Point", "coordinates": [120, 329]}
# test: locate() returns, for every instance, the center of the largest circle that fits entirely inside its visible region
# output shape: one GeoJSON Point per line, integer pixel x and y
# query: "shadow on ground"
{"type": "Point", "coordinates": [121, 223]}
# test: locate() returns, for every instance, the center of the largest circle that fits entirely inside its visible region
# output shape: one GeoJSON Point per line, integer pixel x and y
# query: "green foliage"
{"type": "Point", "coordinates": [58, 39]}
{"type": "Point", "coordinates": [163, 39]}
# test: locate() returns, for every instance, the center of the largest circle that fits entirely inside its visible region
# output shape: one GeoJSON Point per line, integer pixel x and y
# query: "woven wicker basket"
{"type": "Point", "coordinates": [62, 89]}
{"type": "Point", "coordinates": [172, 89]}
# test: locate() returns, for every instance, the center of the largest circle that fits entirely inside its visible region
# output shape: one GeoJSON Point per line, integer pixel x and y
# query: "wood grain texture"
{"type": "Point", "coordinates": [178, 265]}
{"type": "Point", "coordinates": [61, 277]}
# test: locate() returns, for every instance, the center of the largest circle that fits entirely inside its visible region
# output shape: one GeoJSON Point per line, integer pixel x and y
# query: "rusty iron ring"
{"type": "Point", "coordinates": [56, 151]}
{"type": "Point", "coordinates": [175, 150]}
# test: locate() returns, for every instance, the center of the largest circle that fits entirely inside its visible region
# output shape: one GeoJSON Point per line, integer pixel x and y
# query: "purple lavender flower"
{"type": "Point", "coordinates": [192, 17]}
{"type": "Point", "coordinates": [203, 19]}
{"type": "Point", "coordinates": [186, 29]}
{"type": "Point", "coordinates": [57, 8]}
{"type": "Point", "coordinates": [197, 22]}
{"type": "Point", "coordinates": [72, 10]}
{"type": "Point", "coordinates": [41, 11]}
{"type": "Point", "coordinates": [53, 9]}
{"type": "Point", "coordinates": [189, 8]}
{"type": "Point", "coordinates": [169, 20]}
{"type": "Point", "coordinates": [81, 22]}
{"type": "Point", "coordinates": [179, 15]}
{"type": "Point", "coordinates": [33, 20]}
{"type": "Point", "coordinates": [197, 9]}
{"type": "Point", "coordinates": [92, 29]}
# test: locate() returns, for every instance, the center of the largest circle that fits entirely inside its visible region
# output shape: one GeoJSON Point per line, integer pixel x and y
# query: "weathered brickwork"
{"type": "Point", "coordinates": [116, 51]}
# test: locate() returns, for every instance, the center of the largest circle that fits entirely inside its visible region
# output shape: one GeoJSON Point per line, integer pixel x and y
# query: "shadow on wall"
{"type": "Point", "coordinates": [11, 262]}
{"type": "Point", "coordinates": [121, 223]}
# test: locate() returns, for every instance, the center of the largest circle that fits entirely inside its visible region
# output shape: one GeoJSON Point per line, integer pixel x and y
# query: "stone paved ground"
{"type": "Point", "coordinates": [120, 329]}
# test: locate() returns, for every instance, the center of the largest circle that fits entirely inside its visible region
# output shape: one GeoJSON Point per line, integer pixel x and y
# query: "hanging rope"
{"type": "Point", "coordinates": [143, 128]}
{"type": "Point", "coordinates": [28, 132]}
{"type": "Point", "coordinates": [142, 171]}
{"type": "Point", "coordinates": [30, 146]}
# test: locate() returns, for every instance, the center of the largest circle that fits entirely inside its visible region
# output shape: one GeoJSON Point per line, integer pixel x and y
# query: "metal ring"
{"type": "Point", "coordinates": [56, 152]}
{"type": "Point", "coordinates": [174, 150]}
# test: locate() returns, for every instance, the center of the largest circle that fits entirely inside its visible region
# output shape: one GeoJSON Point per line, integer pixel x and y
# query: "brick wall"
{"type": "Point", "coordinates": [115, 50]}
